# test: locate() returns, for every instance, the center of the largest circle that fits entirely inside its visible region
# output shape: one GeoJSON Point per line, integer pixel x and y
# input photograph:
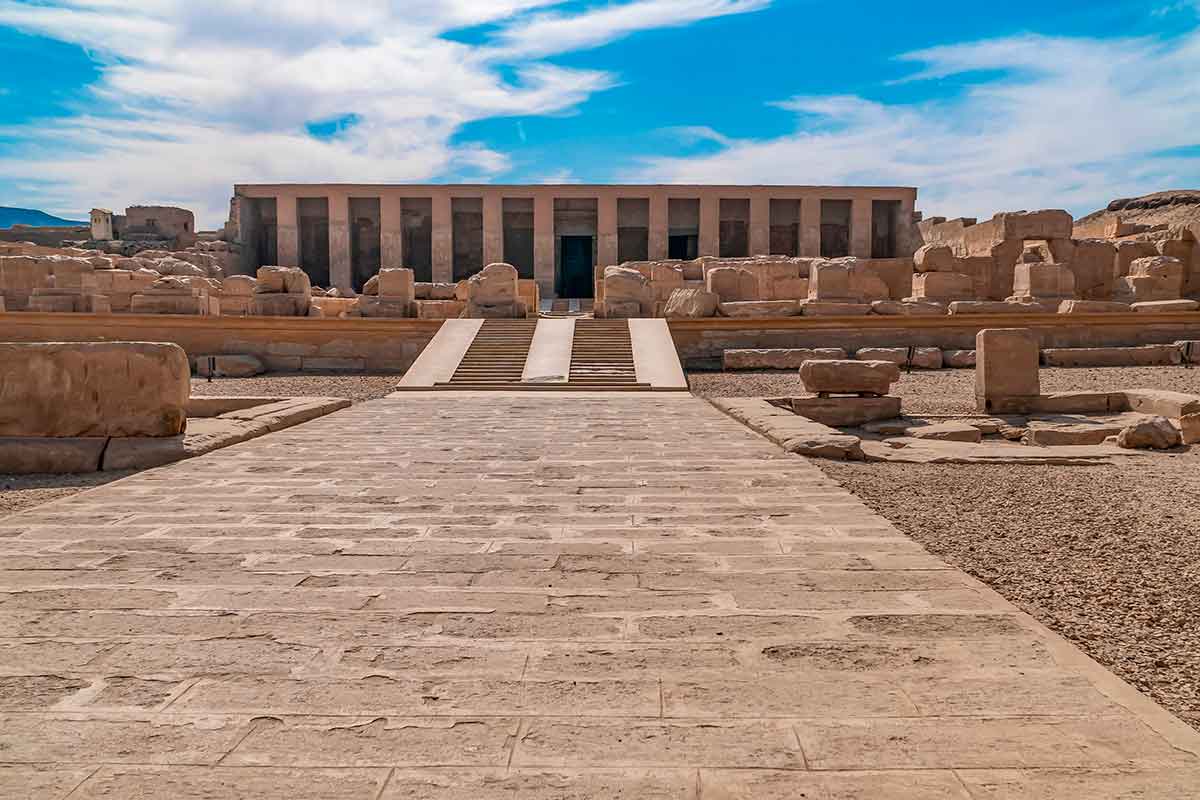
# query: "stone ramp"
{"type": "Point", "coordinates": [430, 596]}
{"type": "Point", "coordinates": [548, 355]}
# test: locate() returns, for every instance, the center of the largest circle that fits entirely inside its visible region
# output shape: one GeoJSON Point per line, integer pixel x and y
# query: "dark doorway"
{"type": "Point", "coordinates": [313, 213]}
{"type": "Point", "coordinates": [364, 240]}
{"type": "Point", "coordinates": [576, 278]}
{"type": "Point", "coordinates": [835, 228]}
{"type": "Point", "coordinates": [885, 219]}
{"type": "Point", "coordinates": [683, 247]}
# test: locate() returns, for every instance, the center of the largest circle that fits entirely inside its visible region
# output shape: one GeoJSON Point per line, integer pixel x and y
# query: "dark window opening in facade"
{"type": "Point", "coordinates": [633, 229]}
{"type": "Point", "coordinates": [575, 245]}
{"type": "Point", "coordinates": [734, 228]}
{"type": "Point", "coordinates": [364, 240]}
{"type": "Point", "coordinates": [683, 228]}
{"type": "Point", "coordinates": [467, 235]}
{"type": "Point", "coordinates": [785, 228]}
{"type": "Point", "coordinates": [885, 222]}
{"type": "Point", "coordinates": [416, 236]}
{"type": "Point", "coordinates": [517, 215]}
{"type": "Point", "coordinates": [313, 214]}
{"type": "Point", "coordinates": [835, 228]}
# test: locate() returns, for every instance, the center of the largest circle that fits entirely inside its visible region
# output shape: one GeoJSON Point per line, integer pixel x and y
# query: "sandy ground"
{"type": "Point", "coordinates": [952, 391]}
{"type": "Point", "coordinates": [1108, 556]}
{"type": "Point", "coordinates": [23, 491]}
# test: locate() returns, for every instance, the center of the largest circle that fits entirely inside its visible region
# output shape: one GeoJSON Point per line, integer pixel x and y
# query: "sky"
{"type": "Point", "coordinates": [983, 107]}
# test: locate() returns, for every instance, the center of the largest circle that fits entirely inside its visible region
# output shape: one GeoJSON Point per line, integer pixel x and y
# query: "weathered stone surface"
{"type": "Point", "coordinates": [1092, 264]}
{"type": "Point", "coordinates": [1040, 282]}
{"type": "Point", "coordinates": [942, 287]}
{"type": "Point", "coordinates": [28, 455]}
{"type": "Point", "coordinates": [228, 366]}
{"type": "Point", "coordinates": [1093, 307]}
{"type": "Point", "coordinates": [1190, 350]}
{"type": "Point", "coordinates": [1006, 370]}
{"type": "Point", "coordinates": [842, 412]}
{"type": "Point", "coordinates": [824, 308]}
{"type": "Point", "coordinates": [922, 357]}
{"type": "Point", "coordinates": [909, 308]}
{"type": "Point", "coordinates": [783, 358]}
{"type": "Point", "coordinates": [958, 359]}
{"type": "Point", "coordinates": [1155, 433]}
{"type": "Point", "coordinates": [845, 280]}
{"type": "Point", "coordinates": [793, 433]}
{"type": "Point", "coordinates": [760, 308]}
{"type": "Point", "coordinates": [1000, 307]}
{"type": "Point", "coordinates": [385, 306]}
{"type": "Point", "coordinates": [849, 377]}
{"type": "Point", "coordinates": [440, 309]}
{"type": "Point", "coordinates": [731, 284]}
{"type": "Point", "coordinates": [1162, 403]}
{"type": "Point", "coordinates": [1165, 306]}
{"type": "Point", "coordinates": [623, 289]}
{"type": "Point", "coordinates": [1152, 278]}
{"type": "Point", "coordinates": [93, 389]}
{"type": "Point", "coordinates": [947, 432]}
{"type": "Point", "coordinates": [493, 293]}
{"type": "Point", "coordinates": [934, 258]}
{"type": "Point", "coordinates": [396, 282]}
{"type": "Point", "coordinates": [282, 280]}
{"type": "Point", "coordinates": [1143, 356]}
{"type": "Point", "coordinates": [279, 305]}
{"type": "Point", "coordinates": [691, 304]}
{"type": "Point", "coordinates": [1189, 428]}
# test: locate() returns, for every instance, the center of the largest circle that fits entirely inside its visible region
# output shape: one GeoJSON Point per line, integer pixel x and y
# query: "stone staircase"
{"type": "Point", "coordinates": [496, 357]}
{"type": "Point", "coordinates": [602, 355]}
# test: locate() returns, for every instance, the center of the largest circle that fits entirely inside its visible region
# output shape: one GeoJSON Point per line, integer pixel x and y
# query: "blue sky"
{"type": "Point", "coordinates": [1036, 104]}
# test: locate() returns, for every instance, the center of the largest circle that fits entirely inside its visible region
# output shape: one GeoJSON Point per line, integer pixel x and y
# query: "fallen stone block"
{"type": "Point", "coordinates": [922, 357]}
{"type": "Point", "coordinates": [846, 412]}
{"type": "Point", "coordinates": [843, 376]}
{"type": "Point", "coordinates": [1092, 307]}
{"type": "Point", "coordinates": [793, 433]}
{"type": "Point", "coordinates": [31, 455]}
{"type": "Point", "coordinates": [958, 359]}
{"type": "Point", "coordinates": [942, 287]}
{"type": "Point", "coordinates": [760, 308]}
{"type": "Point", "coordinates": [1189, 428]}
{"type": "Point", "coordinates": [1155, 433]}
{"type": "Point", "coordinates": [934, 258]}
{"type": "Point", "coordinates": [691, 304]}
{"type": "Point", "coordinates": [909, 308]}
{"type": "Point", "coordinates": [440, 309]}
{"type": "Point", "coordinates": [1000, 307]}
{"type": "Point", "coordinates": [228, 366]}
{"type": "Point", "coordinates": [1160, 402]}
{"type": "Point", "coordinates": [947, 432]}
{"type": "Point", "coordinates": [72, 389]}
{"type": "Point", "coordinates": [1144, 356]}
{"type": "Point", "coordinates": [1081, 403]}
{"type": "Point", "coordinates": [1082, 431]}
{"type": "Point", "coordinates": [1006, 370]}
{"type": "Point", "coordinates": [384, 306]}
{"type": "Point", "coordinates": [781, 358]}
{"type": "Point", "coordinates": [1165, 306]}
{"type": "Point", "coordinates": [822, 308]}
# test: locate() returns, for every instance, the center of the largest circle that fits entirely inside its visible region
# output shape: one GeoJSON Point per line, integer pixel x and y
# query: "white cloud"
{"type": "Point", "coordinates": [1073, 123]}
{"type": "Point", "coordinates": [198, 96]}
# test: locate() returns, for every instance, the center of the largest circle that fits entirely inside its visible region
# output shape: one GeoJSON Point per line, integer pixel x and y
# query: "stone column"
{"type": "Point", "coordinates": [760, 225]}
{"type": "Point", "coordinates": [658, 230]}
{"type": "Point", "coordinates": [710, 226]}
{"type": "Point", "coordinates": [443, 238]}
{"type": "Point", "coordinates": [339, 242]}
{"type": "Point", "coordinates": [493, 227]}
{"type": "Point", "coordinates": [606, 230]}
{"type": "Point", "coordinates": [543, 242]}
{"type": "Point", "coordinates": [287, 232]}
{"type": "Point", "coordinates": [860, 227]}
{"type": "Point", "coordinates": [391, 231]}
{"type": "Point", "coordinates": [810, 226]}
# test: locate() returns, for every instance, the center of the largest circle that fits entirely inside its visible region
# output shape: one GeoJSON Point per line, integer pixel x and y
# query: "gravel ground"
{"type": "Point", "coordinates": [22, 491]}
{"type": "Point", "coordinates": [1108, 556]}
{"type": "Point", "coordinates": [952, 391]}
{"type": "Point", "coordinates": [356, 387]}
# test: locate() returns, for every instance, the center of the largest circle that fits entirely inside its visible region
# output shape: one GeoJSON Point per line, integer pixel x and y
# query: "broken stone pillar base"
{"type": "Point", "coordinates": [1040, 282]}
{"type": "Point", "coordinates": [1006, 370]}
{"type": "Point", "coordinates": [846, 412]}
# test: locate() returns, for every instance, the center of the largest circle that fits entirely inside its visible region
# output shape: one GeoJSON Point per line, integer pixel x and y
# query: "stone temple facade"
{"type": "Point", "coordinates": [341, 234]}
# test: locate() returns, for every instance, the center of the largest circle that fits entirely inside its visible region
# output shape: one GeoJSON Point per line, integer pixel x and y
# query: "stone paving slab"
{"type": "Point", "coordinates": [498, 595]}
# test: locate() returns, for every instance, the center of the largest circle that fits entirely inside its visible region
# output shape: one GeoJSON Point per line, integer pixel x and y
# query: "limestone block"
{"type": "Point", "coordinates": [159, 303]}
{"type": "Point", "coordinates": [494, 285]}
{"type": "Point", "coordinates": [1042, 281]}
{"type": "Point", "coordinates": [1151, 278]}
{"type": "Point", "coordinates": [27, 455]}
{"type": "Point", "coordinates": [1189, 428]}
{"type": "Point", "coordinates": [1180, 249]}
{"type": "Point", "coordinates": [691, 304]}
{"type": "Point", "coordinates": [664, 280]}
{"type": "Point", "coordinates": [2, 307]}
{"type": "Point", "coordinates": [781, 358]}
{"type": "Point", "coordinates": [239, 285]}
{"type": "Point", "coordinates": [934, 258]}
{"type": "Point", "coordinates": [1092, 265]}
{"type": "Point", "coordinates": [328, 307]}
{"type": "Point", "coordinates": [945, 287]}
{"type": "Point", "coordinates": [1045, 224]}
{"type": "Point", "coordinates": [1092, 307]}
{"type": "Point", "coordinates": [384, 306]}
{"type": "Point", "coordinates": [947, 432]}
{"type": "Point", "coordinates": [958, 359]}
{"type": "Point", "coordinates": [1190, 350]}
{"type": "Point", "coordinates": [1144, 356]}
{"type": "Point", "coordinates": [440, 309]}
{"type": "Point", "coordinates": [1164, 306]}
{"type": "Point", "coordinates": [282, 280]}
{"type": "Point", "coordinates": [822, 308]}
{"type": "Point", "coordinates": [1000, 307]}
{"type": "Point", "coordinates": [396, 282]}
{"type": "Point", "coordinates": [371, 287]}
{"type": "Point", "coordinates": [279, 305]}
{"type": "Point", "coordinates": [1155, 433]}
{"type": "Point", "coordinates": [788, 289]}
{"type": "Point", "coordinates": [64, 389]}
{"type": "Point", "coordinates": [849, 412]}
{"type": "Point", "coordinates": [909, 308]}
{"type": "Point", "coordinates": [845, 281]}
{"type": "Point", "coordinates": [760, 308]}
{"type": "Point", "coordinates": [52, 303]}
{"type": "Point", "coordinates": [623, 286]}
{"type": "Point", "coordinates": [236, 305]}
{"type": "Point", "coordinates": [622, 309]}
{"type": "Point", "coordinates": [842, 376]}
{"type": "Point", "coordinates": [73, 273]}
{"type": "Point", "coordinates": [731, 284]}
{"type": "Point", "coordinates": [1006, 370]}
{"type": "Point", "coordinates": [923, 357]}
{"type": "Point", "coordinates": [1130, 251]}
{"type": "Point", "coordinates": [228, 366]}
{"type": "Point", "coordinates": [176, 266]}
{"type": "Point", "coordinates": [1162, 403]}
{"type": "Point", "coordinates": [426, 291]}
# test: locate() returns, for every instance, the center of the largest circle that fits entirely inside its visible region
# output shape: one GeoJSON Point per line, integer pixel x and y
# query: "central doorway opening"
{"type": "Point", "coordinates": [576, 278]}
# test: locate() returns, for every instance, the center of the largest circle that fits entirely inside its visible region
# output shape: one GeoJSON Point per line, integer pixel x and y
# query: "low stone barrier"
{"type": "Point", "coordinates": [778, 358]}
{"type": "Point", "coordinates": [1143, 356]}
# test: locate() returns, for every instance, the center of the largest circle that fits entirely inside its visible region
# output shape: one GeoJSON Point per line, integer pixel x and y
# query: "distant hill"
{"type": "Point", "coordinates": [29, 216]}
{"type": "Point", "coordinates": [1175, 207]}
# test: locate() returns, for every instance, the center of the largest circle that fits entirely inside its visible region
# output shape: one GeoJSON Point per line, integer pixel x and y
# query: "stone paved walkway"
{"type": "Point", "coordinates": [538, 597]}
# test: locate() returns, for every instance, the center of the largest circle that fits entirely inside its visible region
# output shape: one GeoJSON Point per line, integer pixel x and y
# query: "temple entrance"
{"type": "Point", "coordinates": [576, 278]}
